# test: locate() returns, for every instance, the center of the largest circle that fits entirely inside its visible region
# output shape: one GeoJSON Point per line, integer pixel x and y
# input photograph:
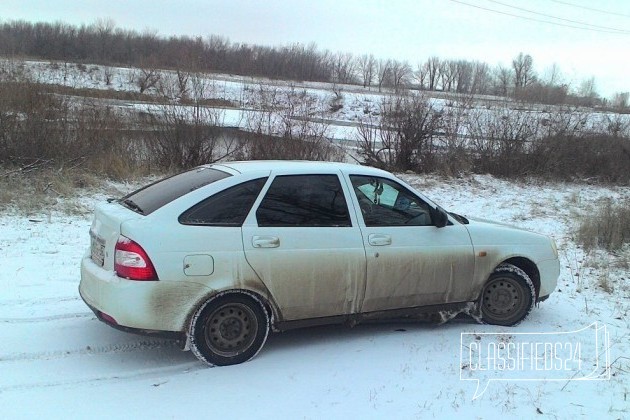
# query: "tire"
{"type": "Point", "coordinates": [229, 329]}
{"type": "Point", "coordinates": [507, 297]}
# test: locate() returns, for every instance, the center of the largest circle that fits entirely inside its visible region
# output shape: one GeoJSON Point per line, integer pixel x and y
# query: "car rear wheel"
{"type": "Point", "coordinates": [229, 329]}
{"type": "Point", "coordinates": [508, 296]}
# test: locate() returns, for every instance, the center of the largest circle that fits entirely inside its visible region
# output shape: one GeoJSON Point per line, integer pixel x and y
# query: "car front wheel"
{"type": "Point", "coordinates": [508, 296]}
{"type": "Point", "coordinates": [229, 329]}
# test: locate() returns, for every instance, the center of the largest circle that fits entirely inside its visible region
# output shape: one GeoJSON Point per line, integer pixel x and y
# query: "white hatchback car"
{"type": "Point", "coordinates": [220, 255]}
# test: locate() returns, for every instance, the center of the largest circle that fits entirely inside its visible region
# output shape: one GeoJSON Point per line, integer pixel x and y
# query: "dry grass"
{"type": "Point", "coordinates": [102, 94]}
{"type": "Point", "coordinates": [608, 227]}
{"type": "Point", "coordinates": [604, 282]}
{"type": "Point", "coordinates": [37, 189]}
{"type": "Point", "coordinates": [623, 261]}
{"type": "Point", "coordinates": [41, 190]}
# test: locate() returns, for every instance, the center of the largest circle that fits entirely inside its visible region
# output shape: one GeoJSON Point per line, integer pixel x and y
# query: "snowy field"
{"type": "Point", "coordinates": [341, 107]}
{"type": "Point", "coordinates": [58, 361]}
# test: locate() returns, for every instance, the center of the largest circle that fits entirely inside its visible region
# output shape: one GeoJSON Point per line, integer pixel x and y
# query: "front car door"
{"type": "Point", "coordinates": [410, 261]}
{"type": "Point", "coordinates": [306, 247]}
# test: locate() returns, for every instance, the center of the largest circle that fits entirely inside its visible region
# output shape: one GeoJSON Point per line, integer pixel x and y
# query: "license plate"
{"type": "Point", "coordinates": [97, 246]}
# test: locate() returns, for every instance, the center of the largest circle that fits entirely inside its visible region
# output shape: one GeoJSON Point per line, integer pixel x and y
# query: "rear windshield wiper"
{"type": "Point", "coordinates": [133, 206]}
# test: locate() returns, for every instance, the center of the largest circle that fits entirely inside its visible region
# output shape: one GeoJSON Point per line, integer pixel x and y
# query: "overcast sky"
{"type": "Point", "coordinates": [410, 30]}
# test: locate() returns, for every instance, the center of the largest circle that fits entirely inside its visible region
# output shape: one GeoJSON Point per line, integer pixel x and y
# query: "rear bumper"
{"type": "Point", "coordinates": [180, 336]}
{"type": "Point", "coordinates": [147, 307]}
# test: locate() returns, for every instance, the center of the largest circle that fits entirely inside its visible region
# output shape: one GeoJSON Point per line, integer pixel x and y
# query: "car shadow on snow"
{"type": "Point", "coordinates": [362, 334]}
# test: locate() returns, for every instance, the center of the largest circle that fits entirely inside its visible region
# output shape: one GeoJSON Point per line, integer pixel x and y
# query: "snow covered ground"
{"type": "Point", "coordinates": [341, 107]}
{"type": "Point", "coordinates": [58, 361]}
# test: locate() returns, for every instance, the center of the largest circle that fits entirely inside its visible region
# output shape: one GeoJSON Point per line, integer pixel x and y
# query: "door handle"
{"type": "Point", "coordinates": [377, 239]}
{"type": "Point", "coordinates": [265, 242]}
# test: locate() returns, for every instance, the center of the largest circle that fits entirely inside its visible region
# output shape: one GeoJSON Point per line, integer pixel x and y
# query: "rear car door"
{"type": "Point", "coordinates": [306, 246]}
{"type": "Point", "coordinates": [410, 261]}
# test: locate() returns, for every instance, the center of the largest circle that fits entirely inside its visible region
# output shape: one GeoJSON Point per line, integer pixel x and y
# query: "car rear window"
{"type": "Point", "coordinates": [304, 201]}
{"type": "Point", "coordinates": [148, 199]}
{"type": "Point", "coordinates": [225, 208]}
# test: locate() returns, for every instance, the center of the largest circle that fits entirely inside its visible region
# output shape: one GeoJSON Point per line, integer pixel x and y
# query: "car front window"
{"type": "Point", "coordinates": [384, 202]}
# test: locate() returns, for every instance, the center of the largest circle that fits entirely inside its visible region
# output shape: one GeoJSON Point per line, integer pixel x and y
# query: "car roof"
{"type": "Point", "coordinates": [299, 166]}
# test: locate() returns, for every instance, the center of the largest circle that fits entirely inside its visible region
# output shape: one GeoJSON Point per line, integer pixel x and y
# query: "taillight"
{"type": "Point", "coordinates": [131, 262]}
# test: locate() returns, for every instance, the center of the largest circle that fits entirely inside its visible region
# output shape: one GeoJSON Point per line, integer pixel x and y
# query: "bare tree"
{"type": "Point", "coordinates": [615, 125]}
{"type": "Point", "coordinates": [503, 80]}
{"type": "Point", "coordinates": [104, 28]}
{"type": "Point", "coordinates": [168, 87]}
{"type": "Point", "coordinates": [501, 137]}
{"type": "Point", "coordinates": [185, 136]}
{"type": "Point", "coordinates": [523, 67]}
{"type": "Point", "coordinates": [383, 72]}
{"type": "Point", "coordinates": [588, 91]}
{"type": "Point", "coordinates": [183, 78]}
{"type": "Point", "coordinates": [620, 100]}
{"type": "Point", "coordinates": [480, 78]}
{"type": "Point", "coordinates": [400, 74]}
{"type": "Point", "coordinates": [448, 74]}
{"type": "Point", "coordinates": [463, 76]}
{"type": "Point", "coordinates": [455, 156]}
{"type": "Point", "coordinates": [566, 121]}
{"type": "Point", "coordinates": [190, 134]}
{"type": "Point", "coordinates": [148, 76]}
{"type": "Point", "coordinates": [343, 68]}
{"type": "Point", "coordinates": [432, 69]}
{"type": "Point", "coordinates": [553, 75]}
{"type": "Point", "coordinates": [108, 75]}
{"type": "Point", "coordinates": [404, 139]}
{"type": "Point", "coordinates": [366, 64]}
{"type": "Point", "coordinates": [288, 124]}
{"type": "Point", "coordinates": [421, 75]}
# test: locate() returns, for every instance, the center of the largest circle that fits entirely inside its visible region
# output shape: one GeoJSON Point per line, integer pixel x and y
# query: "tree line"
{"type": "Point", "coordinates": [43, 127]}
{"type": "Point", "coordinates": [104, 43]}
{"type": "Point", "coordinates": [414, 134]}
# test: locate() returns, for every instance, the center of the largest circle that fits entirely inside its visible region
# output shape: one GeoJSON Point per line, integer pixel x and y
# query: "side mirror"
{"type": "Point", "coordinates": [440, 218]}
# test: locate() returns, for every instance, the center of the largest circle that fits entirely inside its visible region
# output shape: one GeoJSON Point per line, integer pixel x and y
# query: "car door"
{"type": "Point", "coordinates": [306, 246]}
{"type": "Point", "coordinates": [410, 261]}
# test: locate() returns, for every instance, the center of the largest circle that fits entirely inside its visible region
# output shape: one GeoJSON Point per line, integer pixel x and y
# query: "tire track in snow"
{"type": "Point", "coordinates": [89, 350]}
{"type": "Point", "coordinates": [19, 302]}
{"type": "Point", "coordinates": [47, 318]}
{"type": "Point", "coordinates": [181, 368]}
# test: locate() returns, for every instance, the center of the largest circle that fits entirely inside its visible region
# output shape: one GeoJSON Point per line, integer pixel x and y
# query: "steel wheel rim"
{"type": "Point", "coordinates": [502, 298]}
{"type": "Point", "coordinates": [231, 329]}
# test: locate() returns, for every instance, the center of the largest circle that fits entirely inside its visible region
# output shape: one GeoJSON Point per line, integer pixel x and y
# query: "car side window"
{"type": "Point", "coordinates": [225, 208]}
{"type": "Point", "coordinates": [384, 202]}
{"type": "Point", "coordinates": [304, 200]}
